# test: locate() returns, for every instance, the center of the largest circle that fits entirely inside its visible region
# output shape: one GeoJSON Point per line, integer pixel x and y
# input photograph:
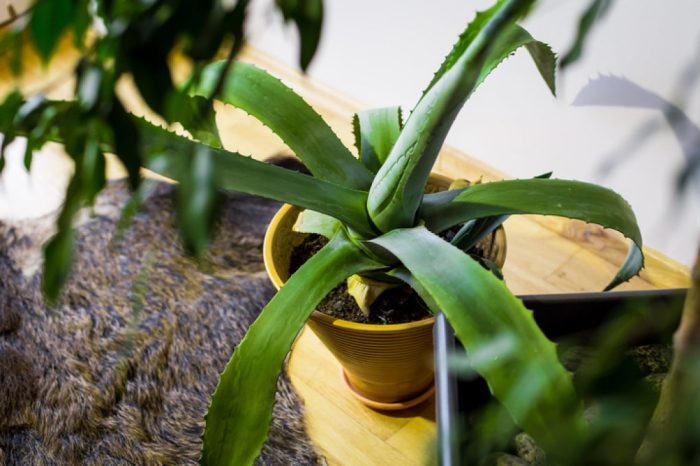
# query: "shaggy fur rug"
{"type": "Point", "coordinates": [121, 370]}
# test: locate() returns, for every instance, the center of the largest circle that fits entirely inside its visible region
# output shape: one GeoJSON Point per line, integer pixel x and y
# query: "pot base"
{"type": "Point", "coordinates": [384, 406]}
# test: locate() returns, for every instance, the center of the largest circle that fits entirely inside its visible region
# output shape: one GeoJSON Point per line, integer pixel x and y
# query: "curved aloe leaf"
{"type": "Point", "coordinates": [283, 111]}
{"type": "Point", "coordinates": [397, 189]}
{"type": "Point", "coordinates": [524, 373]}
{"type": "Point", "coordinates": [376, 131]}
{"type": "Point", "coordinates": [630, 267]}
{"type": "Point", "coordinates": [564, 198]}
{"type": "Point", "coordinates": [475, 230]}
{"type": "Point", "coordinates": [168, 154]}
{"type": "Point", "coordinates": [241, 408]}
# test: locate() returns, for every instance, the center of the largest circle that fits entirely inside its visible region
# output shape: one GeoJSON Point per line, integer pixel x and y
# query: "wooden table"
{"type": "Point", "coordinates": [544, 255]}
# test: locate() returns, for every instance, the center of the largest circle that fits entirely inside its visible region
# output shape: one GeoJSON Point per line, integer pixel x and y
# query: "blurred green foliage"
{"type": "Point", "coordinates": [136, 38]}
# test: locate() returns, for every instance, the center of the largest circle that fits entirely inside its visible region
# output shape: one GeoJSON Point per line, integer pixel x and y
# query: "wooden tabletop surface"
{"type": "Point", "coordinates": [545, 254]}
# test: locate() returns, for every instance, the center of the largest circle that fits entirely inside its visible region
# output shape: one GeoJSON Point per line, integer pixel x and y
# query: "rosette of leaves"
{"type": "Point", "coordinates": [381, 224]}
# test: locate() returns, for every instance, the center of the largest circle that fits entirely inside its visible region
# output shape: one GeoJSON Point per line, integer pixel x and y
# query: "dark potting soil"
{"type": "Point", "coordinates": [394, 306]}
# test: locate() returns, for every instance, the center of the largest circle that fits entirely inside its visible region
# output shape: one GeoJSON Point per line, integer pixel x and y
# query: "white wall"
{"type": "Point", "coordinates": [384, 52]}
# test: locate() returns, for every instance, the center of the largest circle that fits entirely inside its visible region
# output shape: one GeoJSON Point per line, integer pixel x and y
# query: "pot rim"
{"type": "Point", "coordinates": [272, 272]}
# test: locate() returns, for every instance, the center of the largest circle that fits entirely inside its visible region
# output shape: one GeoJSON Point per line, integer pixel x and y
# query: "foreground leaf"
{"type": "Point", "coordinates": [524, 374]}
{"type": "Point", "coordinates": [196, 201]}
{"type": "Point", "coordinates": [241, 408]}
{"type": "Point", "coordinates": [595, 11]}
{"type": "Point", "coordinates": [564, 198]}
{"type": "Point", "coordinates": [290, 117]}
{"type": "Point", "coordinates": [48, 21]}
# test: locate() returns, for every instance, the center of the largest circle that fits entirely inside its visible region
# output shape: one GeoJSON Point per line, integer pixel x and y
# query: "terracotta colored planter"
{"type": "Point", "coordinates": [386, 366]}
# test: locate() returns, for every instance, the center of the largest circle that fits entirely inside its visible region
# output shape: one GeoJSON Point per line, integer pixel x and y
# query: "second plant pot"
{"type": "Point", "coordinates": [386, 366]}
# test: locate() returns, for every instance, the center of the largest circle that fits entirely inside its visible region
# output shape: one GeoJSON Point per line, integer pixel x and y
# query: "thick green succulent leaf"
{"type": "Point", "coordinates": [376, 131]}
{"type": "Point", "coordinates": [630, 267]}
{"type": "Point", "coordinates": [167, 154]}
{"type": "Point", "coordinates": [564, 198]}
{"type": "Point", "coordinates": [541, 53]}
{"type": "Point", "coordinates": [397, 190]}
{"type": "Point", "coordinates": [476, 229]}
{"type": "Point", "coordinates": [283, 111]}
{"type": "Point", "coordinates": [523, 371]}
{"type": "Point", "coordinates": [241, 408]}
{"type": "Point", "coordinates": [309, 221]}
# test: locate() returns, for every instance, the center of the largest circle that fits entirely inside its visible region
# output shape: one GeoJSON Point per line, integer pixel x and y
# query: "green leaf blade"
{"type": "Point", "coordinates": [283, 111]}
{"type": "Point", "coordinates": [166, 153]}
{"type": "Point", "coordinates": [48, 21]}
{"type": "Point", "coordinates": [241, 408]}
{"type": "Point", "coordinates": [594, 12]}
{"type": "Point", "coordinates": [397, 190]}
{"type": "Point", "coordinates": [526, 376]}
{"type": "Point", "coordinates": [376, 131]}
{"type": "Point", "coordinates": [564, 198]}
{"type": "Point", "coordinates": [309, 221]}
{"type": "Point", "coordinates": [308, 18]}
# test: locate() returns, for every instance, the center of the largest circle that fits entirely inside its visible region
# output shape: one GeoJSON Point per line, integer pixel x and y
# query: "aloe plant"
{"type": "Point", "coordinates": [380, 223]}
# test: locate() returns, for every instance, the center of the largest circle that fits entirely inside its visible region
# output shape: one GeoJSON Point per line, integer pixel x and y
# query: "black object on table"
{"type": "Point", "coordinates": [558, 315]}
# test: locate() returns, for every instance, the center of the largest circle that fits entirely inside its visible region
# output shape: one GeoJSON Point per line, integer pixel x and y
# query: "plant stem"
{"type": "Point", "coordinates": [678, 388]}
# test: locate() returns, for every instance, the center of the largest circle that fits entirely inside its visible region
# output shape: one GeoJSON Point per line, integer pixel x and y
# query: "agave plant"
{"type": "Point", "coordinates": [380, 223]}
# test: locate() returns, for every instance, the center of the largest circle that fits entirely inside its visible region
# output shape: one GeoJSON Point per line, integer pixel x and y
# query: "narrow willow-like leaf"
{"type": "Point", "coordinates": [196, 201]}
{"type": "Point", "coordinates": [166, 153]}
{"type": "Point", "coordinates": [376, 131]}
{"type": "Point", "coordinates": [526, 376]}
{"type": "Point", "coordinates": [309, 221]}
{"type": "Point", "coordinates": [241, 408]}
{"type": "Point", "coordinates": [283, 111]}
{"type": "Point", "coordinates": [397, 190]}
{"type": "Point", "coordinates": [595, 11]}
{"type": "Point", "coordinates": [564, 198]}
{"type": "Point", "coordinates": [308, 18]}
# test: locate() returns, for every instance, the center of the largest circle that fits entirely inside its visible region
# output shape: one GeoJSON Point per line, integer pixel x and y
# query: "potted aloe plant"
{"type": "Point", "coordinates": [380, 224]}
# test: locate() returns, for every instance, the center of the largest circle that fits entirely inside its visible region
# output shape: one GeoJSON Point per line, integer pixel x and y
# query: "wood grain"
{"type": "Point", "coordinates": [545, 254]}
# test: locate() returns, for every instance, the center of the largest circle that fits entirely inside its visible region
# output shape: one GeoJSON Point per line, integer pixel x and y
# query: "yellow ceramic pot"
{"type": "Point", "coordinates": [386, 366]}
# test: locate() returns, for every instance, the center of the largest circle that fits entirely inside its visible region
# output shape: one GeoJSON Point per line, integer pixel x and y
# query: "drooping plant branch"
{"type": "Point", "coordinates": [118, 38]}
